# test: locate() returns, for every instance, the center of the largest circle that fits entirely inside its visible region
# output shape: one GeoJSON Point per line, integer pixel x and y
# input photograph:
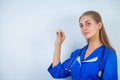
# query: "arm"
{"type": "Point", "coordinates": [59, 40]}
{"type": "Point", "coordinates": [110, 70]}
{"type": "Point", "coordinates": [60, 70]}
{"type": "Point", "coordinates": [56, 69]}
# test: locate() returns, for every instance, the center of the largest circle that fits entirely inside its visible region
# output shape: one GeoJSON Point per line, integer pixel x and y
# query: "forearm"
{"type": "Point", "coordinates": [56, 57]}
{"type": "Point", "coordinates": [59, 40]}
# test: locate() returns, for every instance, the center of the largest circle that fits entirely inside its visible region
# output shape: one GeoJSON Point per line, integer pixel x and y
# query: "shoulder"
{"type": "Point", "coordinates": [109, 51]}
{"type": "Point", "coordinates": [109, 54]}
{"type": "Point", "coordinates": [77, 51]}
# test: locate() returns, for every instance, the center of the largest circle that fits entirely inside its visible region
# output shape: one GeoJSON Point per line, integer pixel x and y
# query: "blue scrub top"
{"type": "Point", "coordinates": [88, 68]}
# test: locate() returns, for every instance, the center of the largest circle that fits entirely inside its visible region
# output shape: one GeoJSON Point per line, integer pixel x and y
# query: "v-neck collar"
{"type": "Point", "coordinates": [88, 57]}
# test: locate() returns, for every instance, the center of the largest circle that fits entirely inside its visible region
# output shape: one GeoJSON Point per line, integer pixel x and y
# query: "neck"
{"type": "Point", "coordinates": [94, 42]}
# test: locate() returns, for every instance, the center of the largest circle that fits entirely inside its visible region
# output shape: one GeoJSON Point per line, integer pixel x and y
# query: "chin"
{"type": "Point", "coordinates": [87, 37]}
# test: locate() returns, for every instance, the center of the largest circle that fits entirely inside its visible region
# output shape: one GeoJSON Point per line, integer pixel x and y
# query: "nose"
{"type": "Point", "coordinates": [84, 28]}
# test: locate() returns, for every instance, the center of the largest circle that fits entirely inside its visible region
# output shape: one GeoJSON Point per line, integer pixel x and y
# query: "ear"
{"type": "Point", "coordinates": [99, 25]}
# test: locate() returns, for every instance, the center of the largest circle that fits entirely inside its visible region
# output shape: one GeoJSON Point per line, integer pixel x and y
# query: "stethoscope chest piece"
{"type": "Point", "coordinates": [100, 74]}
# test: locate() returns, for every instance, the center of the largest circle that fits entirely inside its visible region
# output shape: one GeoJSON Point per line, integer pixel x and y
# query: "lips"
{"type": "Point", "coordinates": [85, 33]}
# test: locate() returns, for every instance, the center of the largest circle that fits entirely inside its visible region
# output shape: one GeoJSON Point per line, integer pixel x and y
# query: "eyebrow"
{"type": "Point", "coordinates": [86, 21]}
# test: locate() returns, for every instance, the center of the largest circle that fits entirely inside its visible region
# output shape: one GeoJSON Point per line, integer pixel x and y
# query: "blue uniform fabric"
{"type": "Point", "coordinates": [88, 68]}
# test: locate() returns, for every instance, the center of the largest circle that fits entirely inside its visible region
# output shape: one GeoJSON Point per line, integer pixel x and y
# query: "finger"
{"type": "Point", "coordinates": [59, 32]}
{"type": "Point", "coordinates": [62, 34]}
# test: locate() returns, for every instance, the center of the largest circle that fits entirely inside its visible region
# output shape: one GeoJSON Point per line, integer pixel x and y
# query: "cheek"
{"type": "Point", "coordinates": [93, 28]}
{"type": "Point", "coordinates": [81, 31]}
{"type": "Point", "coordinates": [93, 31]}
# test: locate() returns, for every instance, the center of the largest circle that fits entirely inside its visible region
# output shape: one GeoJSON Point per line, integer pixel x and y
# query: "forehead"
{"type": "Point", "coordinates": [86, 19]}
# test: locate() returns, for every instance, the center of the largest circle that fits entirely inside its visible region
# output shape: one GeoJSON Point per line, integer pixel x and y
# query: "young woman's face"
{"type": "Point", "coordinates": [89, 27]}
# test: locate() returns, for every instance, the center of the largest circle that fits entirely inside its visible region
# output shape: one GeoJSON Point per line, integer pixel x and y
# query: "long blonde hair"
{"type": "Point", "coordinates": [102, 34]}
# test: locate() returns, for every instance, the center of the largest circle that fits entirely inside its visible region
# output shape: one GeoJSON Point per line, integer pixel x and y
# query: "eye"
{"type": "Point", "coordinates": [81, 25]}
{"type": "Point", "coordinates": [88, 24]}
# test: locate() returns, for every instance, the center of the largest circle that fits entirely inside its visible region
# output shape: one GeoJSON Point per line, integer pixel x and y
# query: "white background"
{"type": "Point", "coordinates": [27, 33]}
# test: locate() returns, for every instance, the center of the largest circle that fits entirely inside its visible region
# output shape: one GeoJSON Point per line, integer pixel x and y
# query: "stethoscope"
{"type": "Point", "coordinates": [100, 72]}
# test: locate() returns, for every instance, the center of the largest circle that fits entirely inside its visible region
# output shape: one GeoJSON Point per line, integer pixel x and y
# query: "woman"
{"type": "Point", "coordinates": [96, 61]}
